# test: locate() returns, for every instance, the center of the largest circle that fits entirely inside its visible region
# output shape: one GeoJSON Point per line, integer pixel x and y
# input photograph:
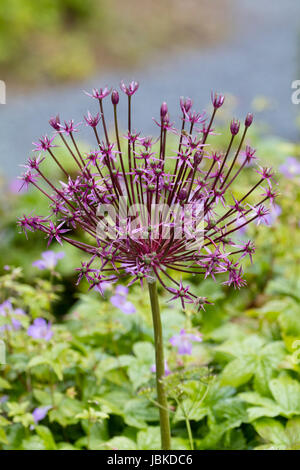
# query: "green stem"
{"type": "Point", "coordinates": [189, 430]}
{"type": "Point", "coordinates": [160, 369]}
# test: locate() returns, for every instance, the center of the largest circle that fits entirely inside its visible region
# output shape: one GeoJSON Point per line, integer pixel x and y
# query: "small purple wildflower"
{"type": "Point", "coordinates": [40, 329]}
{"type": "Point", "coordinates": [290, 168]}
{"type": "Point", "coordinates": [119, 300]}
{"type": "Point", "coordinates": [40, 413]}
{"type": "Point", "coordinates": [274, 213]}
{"type": "Point", "coordinates": [184, 341]}
{"type": "Point", "coordinates": [7, 310]}
{"type": "Point", "coordinates": [167, 369]}
{"type": "Point", "coordinates": [49, 260]}
{"type": "Point", "coordinates": [16, 186]}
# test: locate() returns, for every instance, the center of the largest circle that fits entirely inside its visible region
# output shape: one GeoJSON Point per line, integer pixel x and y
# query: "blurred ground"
{"type": "Point", "coordinates": [45, 42]}
{"type": "Point", "coordinates": [256, 62]}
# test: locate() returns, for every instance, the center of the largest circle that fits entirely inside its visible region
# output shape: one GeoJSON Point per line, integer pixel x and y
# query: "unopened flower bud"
{"type": "Point", "coordinates": [185, 104]}
{"type": "Point", "coordinates": [217, 100]}
{"type": "Point", "coordinates": [55, 122]}
{"type": "Point", "coordinates": [115, 97]}
{"type": "Point", "coordinates": [249, 120]}
{"type": "Point", "coordinates": [163, 110]}
{"type": "Point", "coordinates": [234, 126]}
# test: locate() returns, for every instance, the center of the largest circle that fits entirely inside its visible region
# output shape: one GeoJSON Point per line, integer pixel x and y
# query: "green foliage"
{"type": "Point", "coordinates": [240, 388]}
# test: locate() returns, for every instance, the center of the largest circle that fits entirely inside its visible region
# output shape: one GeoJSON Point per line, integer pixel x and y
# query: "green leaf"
{"type": "Point", "coordinates": [4, 421]}
{"type": "Point", "coordinates": [238, 372]}
{"type": "Point", "coordinates": [65, 412]}
{"type": "Point", "coordinates": [37, 361]}
{"type": "Point", "coordinates": [272, 431]}
{"type": "Point", "coordinates": [190, 410]}
{"type": "Point", "coordinates": [4, 384]}
{"type": "Point", "coordinates": [293, 432]}
{"type": "Point", "coordinates": [121, 443]}
{"type": "Point", "coordinates": [3, 436]}
{"type": "Point", "coordinates": [232, 411]}
{"type": "Point", "coordinates": [286, 392]}
{"type": "Point", "coordinates": [144, 350]}
{"type": "Point", "coordinates": [138, 411]}
{"type": "Point", "coordinates": [46, 435]}
{"type": "Point", "coordinates": [267, 364]}
{"type": "Point", "coordinates": [149, 439]}
{"type": "Point", "coordinates": [263, 406]}
{"type": "Point", "coordinates": [33, 443]}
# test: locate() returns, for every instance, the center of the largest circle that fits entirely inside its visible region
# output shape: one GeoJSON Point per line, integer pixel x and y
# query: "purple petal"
{"type": "Point", "coordinates": [40, 413]}
{"type": "Point", "coordinates": [122, 290]}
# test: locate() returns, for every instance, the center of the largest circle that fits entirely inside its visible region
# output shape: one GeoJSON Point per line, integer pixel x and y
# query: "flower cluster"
{"type": "Point", "coordinates": [105, 206]}
{"type": "Point", "coordinates": [12, 316]}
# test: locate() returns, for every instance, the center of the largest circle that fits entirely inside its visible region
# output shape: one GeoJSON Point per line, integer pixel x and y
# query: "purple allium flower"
{"type": "Point", "coordinates": [163, 110]}
{"type": "Point", "coordinates": [167, 369]}
{"type": "Point", "coordinates": [100, 93]}
{"type": "Point", "coordinates": [149, 210]}
{"type": "Point", "coordinates": [235, 126]}
{"type": "Point", "coordinates": [92, 121]}
{"type": "Point", "coordinates": [290, 168]}
{"type": "Point", "coordinates": [69, 127]}
{"type": "Point", "coordinates": [217, 100]}
{"type": "Point", "coordinates": [185, 104]}
{"type": "Point", "coordinates": [49, 260]}
{"type": "Point", "coordinates": [7, 310]}
{"type": "Point", "coordinates": [130, 89]}
{"type": "Point", "coordinates": [55, 122]}
{"type": "Point", "coordinates": [45, 143]}
{"type": "Point", "coordinates": [29, 178]}
{"type": "Point", "coordinates": [40, 413]}
{"type": "Point", "coordinates": [184, 341]}
{"type": "Point", "coordinates": [119, 300]}
{"type": "Point", "coordinates": [40, 329]}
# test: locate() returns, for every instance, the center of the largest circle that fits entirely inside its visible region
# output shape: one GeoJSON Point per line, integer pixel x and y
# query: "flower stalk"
{"type": "Point", "coordinates": [160, 368]}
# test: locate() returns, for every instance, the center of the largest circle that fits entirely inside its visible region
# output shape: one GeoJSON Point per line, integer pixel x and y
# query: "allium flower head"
{"type": "Point", "coordinates": [151, 207]}
{"type": "Point", "coordinates": [129, 89]}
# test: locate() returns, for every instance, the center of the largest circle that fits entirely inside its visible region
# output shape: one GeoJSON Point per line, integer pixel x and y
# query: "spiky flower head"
{"type": "Point", "coordinates": [143, 210]}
